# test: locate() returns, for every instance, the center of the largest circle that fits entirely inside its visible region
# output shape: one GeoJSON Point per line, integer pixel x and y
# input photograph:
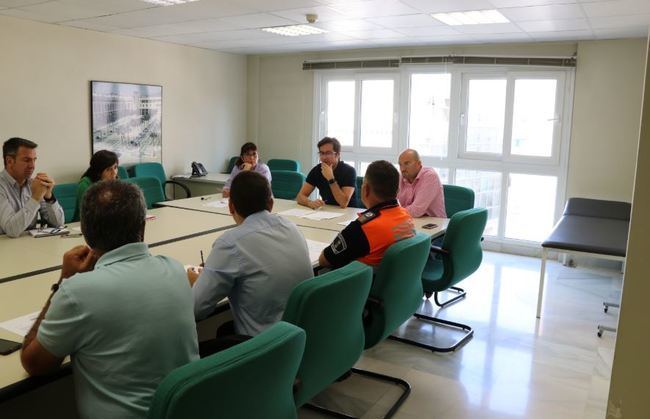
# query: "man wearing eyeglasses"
{"type": "Point", "coordinates": [334, 179]}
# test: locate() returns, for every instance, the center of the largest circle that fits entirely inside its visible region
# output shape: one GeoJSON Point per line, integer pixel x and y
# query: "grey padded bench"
{"type": "Point", "coordinates": [591, 227]}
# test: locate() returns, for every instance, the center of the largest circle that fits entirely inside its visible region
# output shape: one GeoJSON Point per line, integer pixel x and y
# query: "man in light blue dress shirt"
{"type": "Point", "coordinates": [21, 197]}
{"type": "Point", "coordinates": [256, 265]}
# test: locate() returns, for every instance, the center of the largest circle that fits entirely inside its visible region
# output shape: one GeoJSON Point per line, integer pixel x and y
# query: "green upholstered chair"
{"type": "Point", "coordinates": [357, 193]}
{"type": "Point", "coordinates": [395, 295]}
{"type": "Point", "coordinates": [253, 379]}
{"type": "Point", "coordinates": [66, 195]}
{"type": "Point", "coordinates": [457, 198]}
{"type": "Point", "coordinates": [329, 308]}
{"type": "Point", "coordinates": [122, 172]}
{"type": "Point", "coordinates": [286, 184]}
{"type": "Point", "coordinates": [284, 164]}
{"type": "Point", "coordinates": [156, 170]}
{"type": "Point", "coordinates": [460, 256]}
{"type": "Point", "coordinates": [231, 164]}
{"type": "Point", "coordinates": [151, 188]}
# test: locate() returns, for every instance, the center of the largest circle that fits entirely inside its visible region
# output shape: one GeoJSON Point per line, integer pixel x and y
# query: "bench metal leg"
{"type": "Point", "coordinates": [540, 295]}
{"type": "Point", "coordinates": [608, 304]}
{"type": "Point", "coordinates": [602, 329]}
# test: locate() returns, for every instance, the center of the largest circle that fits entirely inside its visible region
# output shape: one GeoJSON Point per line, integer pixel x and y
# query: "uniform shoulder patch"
{"type": "Point", "coordinates": [367, 216]}
{"type": "Point", "coordinates": [338, 245]}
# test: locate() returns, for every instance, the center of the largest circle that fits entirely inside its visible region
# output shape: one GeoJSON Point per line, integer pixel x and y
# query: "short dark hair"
{"type": "Point", "coordinates": [383, 179]}
{"type": "Point", "coordinates": [11, 146]}
{"type": "Point", "coordinates": [112, 215]}
{"type": "Point", "coordinates": [250, 192]}
{"type": "Point", "coordinates": [245, 149]}
{"type": "Point", "coordinates": [330, 140]}
{"type": "Point", "coordinates": [100, 161]}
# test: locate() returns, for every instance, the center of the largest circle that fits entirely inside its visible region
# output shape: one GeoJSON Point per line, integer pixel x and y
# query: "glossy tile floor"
{"type": "Point", "coordinates": [515, 366]}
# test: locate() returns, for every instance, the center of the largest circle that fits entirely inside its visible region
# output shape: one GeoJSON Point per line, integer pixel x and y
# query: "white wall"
{"type": "Point", "coordinates": [606, 106]}
{"type": "Point", "coordinates": [45, 72]}
{"type": "Point", "coordinates": [628, 395]}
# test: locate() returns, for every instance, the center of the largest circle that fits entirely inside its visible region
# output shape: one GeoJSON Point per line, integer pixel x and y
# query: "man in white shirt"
{"type": "Point", "coordinates": [21, 197]}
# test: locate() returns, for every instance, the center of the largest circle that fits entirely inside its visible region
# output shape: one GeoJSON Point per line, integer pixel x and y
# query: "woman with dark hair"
{"type": "Point", "coordinates": [248, 160]}
{"type": "Point", "coordinates": [103, 166]}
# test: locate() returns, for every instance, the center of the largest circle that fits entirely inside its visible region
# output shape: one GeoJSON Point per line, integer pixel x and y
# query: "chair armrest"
{"type": "Point", "coordinates": [183, 187]}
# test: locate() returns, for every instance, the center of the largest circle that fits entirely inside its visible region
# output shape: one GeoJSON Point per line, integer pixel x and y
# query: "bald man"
{"type": "Point", "coordinates": [420, 190]}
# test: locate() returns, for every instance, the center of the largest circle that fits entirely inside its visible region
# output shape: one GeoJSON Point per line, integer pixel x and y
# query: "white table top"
{"type": "Point", "coordinates": [26, 254]}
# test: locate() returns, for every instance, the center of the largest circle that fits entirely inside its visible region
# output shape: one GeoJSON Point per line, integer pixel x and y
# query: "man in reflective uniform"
{"type": "Point", "coordinates": [368, 237]}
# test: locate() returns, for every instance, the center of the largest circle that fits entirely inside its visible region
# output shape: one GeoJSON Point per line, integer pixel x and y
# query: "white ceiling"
{"type": "Point", "coordinates": [233, 25]}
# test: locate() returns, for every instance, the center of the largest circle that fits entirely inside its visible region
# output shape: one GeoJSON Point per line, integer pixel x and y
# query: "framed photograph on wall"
{"type": "Point", "coordinates": [127, 119]}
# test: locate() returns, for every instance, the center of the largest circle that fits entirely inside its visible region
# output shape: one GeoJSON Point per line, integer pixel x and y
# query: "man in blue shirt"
{"type": "Point", "coordinates": [256, 264]}
{"type": "Point", "coordinates": [124, 316]}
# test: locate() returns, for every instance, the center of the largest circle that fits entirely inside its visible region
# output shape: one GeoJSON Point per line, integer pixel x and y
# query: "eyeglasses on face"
{"type": "Point", "coordinates": [327, 153]}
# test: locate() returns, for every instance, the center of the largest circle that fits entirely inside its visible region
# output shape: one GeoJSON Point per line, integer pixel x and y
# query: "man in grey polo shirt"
{"type": "Point", "coordinates": [123, 315]}
{"type": "Point", "coordinates": [256, 264]}
{"type": "Point", "coordinates": [21, 197]}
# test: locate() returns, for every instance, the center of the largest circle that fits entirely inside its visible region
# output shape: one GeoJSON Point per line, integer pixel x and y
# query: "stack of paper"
{"type": "Point", "coordinates": [20, 325]}
{"type": "Point", "coordinates": [310, 214]}
{"type": "Point", "coordinates": [50, 231]}
{"type": "Point", "coordinates": [221, 203]}
{"type": "Point", "coordinates": [315, 249]}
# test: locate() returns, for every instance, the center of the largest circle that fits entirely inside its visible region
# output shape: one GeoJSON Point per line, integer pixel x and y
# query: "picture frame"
{"type": "Point", "coordinates": [126, 118]}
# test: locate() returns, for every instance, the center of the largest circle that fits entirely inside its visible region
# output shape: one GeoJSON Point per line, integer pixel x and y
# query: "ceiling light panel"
{"type": "Point", "coordinates": [474, 17]}
{"type": "Point", "coordinates": [294, 30]}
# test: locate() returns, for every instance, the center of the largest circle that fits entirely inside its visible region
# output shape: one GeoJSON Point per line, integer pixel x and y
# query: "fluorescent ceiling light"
{"type": "Point", "coordinates": [168, 2]}
{"type": "Point", "coordinates": [294, 30]}
{"type": "Point", "coordinates": [474, 17]}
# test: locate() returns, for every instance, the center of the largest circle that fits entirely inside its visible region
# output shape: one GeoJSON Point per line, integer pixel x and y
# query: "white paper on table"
{"type": "Point", "coordinates": [345, 223]}
{"type": "Point", "coordinates": [20, 325]}
{"type": "Point", "coordinates": [220, 203]}
{"type": "Point", "coordinates": [322, 215]}
{"type": "Point", "coordinates": [315, 249]}
{"type": "Point", "coordinates": [296, 212]}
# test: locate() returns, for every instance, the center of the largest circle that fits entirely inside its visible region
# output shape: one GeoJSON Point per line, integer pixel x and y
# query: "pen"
{"type": "Point", "coordinates": [202, 261]}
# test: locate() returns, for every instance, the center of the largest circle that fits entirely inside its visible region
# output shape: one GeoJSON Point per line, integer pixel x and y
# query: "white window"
{"type": "Point", "coordinates": [502, 131]}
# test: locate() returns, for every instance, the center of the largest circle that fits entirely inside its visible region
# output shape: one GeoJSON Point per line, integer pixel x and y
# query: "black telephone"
{"type": "Point", "coordinates": [198, 169]}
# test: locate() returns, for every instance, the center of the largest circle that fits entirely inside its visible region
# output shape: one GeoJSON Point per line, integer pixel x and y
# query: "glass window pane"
{"type": "Point", "coordinates": [429, 114]}
{"type": "Point", "coordinates": [364, 166]}
{"type": "Point", "coordinates": [443, 174]}
{"type": "Point", "coordinates": [377, 113]}
{"type": "Point", "coordinates": [531, 206]}
{"type": "Point", "coordinates": [340, 111]}
{"type": "Point", "coordinates": [485, 115]}
{"type": "Point", "coordinates": [487, 194]}
{"type": "Point", "coordinates": [533, 117]}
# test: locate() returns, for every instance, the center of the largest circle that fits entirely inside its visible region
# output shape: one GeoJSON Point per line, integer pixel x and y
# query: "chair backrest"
{"type": "Point", "coordinates": [151, 188]}
{"type": "Point", "coordinates": [66, 195]}
{"type": "Point", "coordinates": [463, 242]}
{"type": "Point", "coordinates": [284, 164]}
{"type": "Point", "coordinates": [457, 198]}
{"type": "Point", "coordinates": [357, 192]}
{"type": "Point", "coordinates": [231, 163]}
{"type": "Point", "coordinates": [150, 170]}
{"type": "Point", "coordinates": [329, 308]}
{"type": "Point", "coordinates": [253, 379]}
{"type": "Point", "coordinates": [396, 291]}
{"type": "Point", "coordinates": [122, 173]}
{"type": "Point", "coordinates": [286, 184]}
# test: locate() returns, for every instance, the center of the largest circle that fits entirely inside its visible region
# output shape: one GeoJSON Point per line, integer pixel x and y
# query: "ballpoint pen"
{"type": "Point", "coordinates": [202, 261]}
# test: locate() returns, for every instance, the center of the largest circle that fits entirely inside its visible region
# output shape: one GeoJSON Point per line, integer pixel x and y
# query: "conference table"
{"type": "Point", "coordinates": [181, 229]}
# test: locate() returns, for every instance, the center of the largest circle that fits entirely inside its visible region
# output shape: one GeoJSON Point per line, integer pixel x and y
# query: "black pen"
{"type": "Point", "coordinates": [202, 261]}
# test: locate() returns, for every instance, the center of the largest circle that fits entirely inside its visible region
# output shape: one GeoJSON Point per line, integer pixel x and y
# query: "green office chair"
{"type": "Point", "coordinates": [461, 256]}
{"type": "Point", "coordinates": [284, 164]}
{"type": "Point", "coordinates": [395, 295]}
{"type": "Point", "coordinates": [231, 164]}
{"type": "Point", "coordinates": [253, 379]}
{"type": "Point", "coordinates": [357, 193]}
{"type": "Point", "coordinates": [66, 195]}
{"type": "Point", "coordinates": [156, 170]}
{"type": "Point", "coordinates": [329, 308]}
{"type": "Point", "coordinates": [286, 184]}
{"type": "Point", "coordinates": [122, 173]}
{"type": "Point", "coordinates": [151, 188]}
{"type": "Point", "coordinates": [457, 198]}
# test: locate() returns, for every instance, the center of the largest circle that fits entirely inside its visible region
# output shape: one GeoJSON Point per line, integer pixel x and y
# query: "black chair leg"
{"type": "Point", "coordinates": [406, 391]}
{"type": "Point", "coordinates": [461, 294]}
{"type": "Point", "coordinates": [469, 333]}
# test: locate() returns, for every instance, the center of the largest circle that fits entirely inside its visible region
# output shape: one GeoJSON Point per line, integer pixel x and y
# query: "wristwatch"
{"type": "Point", "coordinates": [331, 181]}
